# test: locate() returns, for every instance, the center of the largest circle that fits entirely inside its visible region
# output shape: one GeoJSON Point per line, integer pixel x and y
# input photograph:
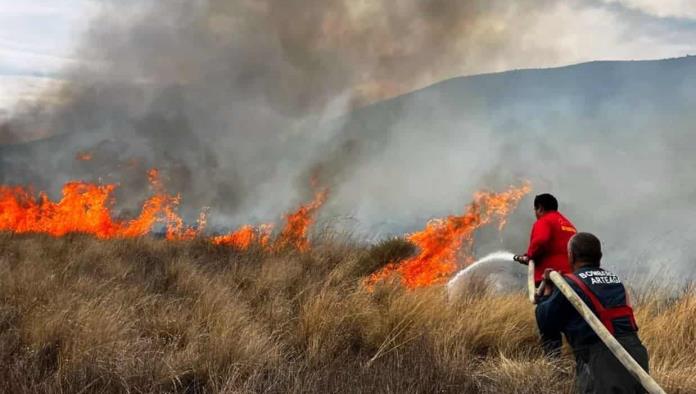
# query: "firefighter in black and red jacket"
{"type": "Point", "coordinates": [597, 370]}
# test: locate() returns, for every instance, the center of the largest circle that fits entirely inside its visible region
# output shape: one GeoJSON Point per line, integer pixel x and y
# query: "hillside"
{"type": "Point", "coordinates": [611, 139]}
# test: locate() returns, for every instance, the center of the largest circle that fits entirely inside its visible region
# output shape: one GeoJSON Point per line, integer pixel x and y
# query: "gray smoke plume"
{"type": "Point", "coordinates": [230, 99]}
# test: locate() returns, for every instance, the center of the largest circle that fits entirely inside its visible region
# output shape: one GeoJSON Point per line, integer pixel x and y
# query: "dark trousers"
{"type": "Point", "coordinates": [551, 345]}
{"type": "Point", "coordinates": [599, 372]}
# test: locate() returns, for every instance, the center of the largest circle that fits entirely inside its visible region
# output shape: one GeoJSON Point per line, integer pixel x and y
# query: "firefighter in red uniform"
{"type": "Point", "coordinates": [548, 245]}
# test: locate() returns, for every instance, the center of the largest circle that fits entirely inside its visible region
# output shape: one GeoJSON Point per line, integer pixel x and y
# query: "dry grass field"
{"type": "Point", "coordinates": [81, 315]}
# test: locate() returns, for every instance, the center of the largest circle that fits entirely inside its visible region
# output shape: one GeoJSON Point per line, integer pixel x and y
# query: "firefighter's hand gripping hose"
{"type": "Point", "coordinates": [612, 344]}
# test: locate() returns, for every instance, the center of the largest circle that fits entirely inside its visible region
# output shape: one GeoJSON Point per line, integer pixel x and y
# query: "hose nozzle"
{"type": "Point", "coordinates": [521, 258]}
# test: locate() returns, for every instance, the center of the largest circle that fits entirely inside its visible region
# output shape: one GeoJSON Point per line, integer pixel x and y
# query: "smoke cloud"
{"type": "Point", "coordinates": [230, 98]}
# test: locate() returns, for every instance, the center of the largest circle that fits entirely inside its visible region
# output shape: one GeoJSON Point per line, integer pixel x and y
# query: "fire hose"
{"type": "Point", "coordinates": [530, 282]}
{"type": "Point", "coordinates": [612, 344]}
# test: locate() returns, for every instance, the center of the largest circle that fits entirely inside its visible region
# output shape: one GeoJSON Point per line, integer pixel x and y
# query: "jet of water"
{"type": "Point", "coordinates": [495, 256]}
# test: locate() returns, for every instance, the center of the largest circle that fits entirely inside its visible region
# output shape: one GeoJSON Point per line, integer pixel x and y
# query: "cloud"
{"type": "Point", "coordinates": [37, 37]}
{"type": "Point", "coordinates": [661, 8]}
{"type": "Point", "coordinates": [578, 31]}
{"type": "Point", "coordinates": [69, 9]}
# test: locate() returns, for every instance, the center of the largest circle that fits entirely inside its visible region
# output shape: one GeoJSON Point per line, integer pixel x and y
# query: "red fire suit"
{"type": "Point", "coordinates": [548, 245]}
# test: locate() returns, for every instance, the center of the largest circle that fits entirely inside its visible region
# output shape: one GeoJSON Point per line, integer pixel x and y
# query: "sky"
{"type": "Point", "coordinates": [38, 38]}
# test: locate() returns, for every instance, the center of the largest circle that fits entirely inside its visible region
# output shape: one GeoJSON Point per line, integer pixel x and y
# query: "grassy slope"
{"type": "Point", "coordinates": [83, 315]}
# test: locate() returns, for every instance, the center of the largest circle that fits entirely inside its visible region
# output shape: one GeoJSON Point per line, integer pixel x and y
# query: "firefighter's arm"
{"type": "Point", "coordinates": [546, 288]}
{"type": "Point", "coordinates": [541, 236]}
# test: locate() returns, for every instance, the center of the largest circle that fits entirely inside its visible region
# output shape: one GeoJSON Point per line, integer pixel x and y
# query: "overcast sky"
{"type": "Point", "coordinates": [37, 37]}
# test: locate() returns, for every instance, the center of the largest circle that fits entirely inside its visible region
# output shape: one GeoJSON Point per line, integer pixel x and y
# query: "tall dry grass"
{"type": "Point", "coordinates": [80, 315]}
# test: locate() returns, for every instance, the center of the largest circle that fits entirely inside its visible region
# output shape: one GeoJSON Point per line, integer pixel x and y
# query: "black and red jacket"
{"type": "Point", "coordinates": [603, 292]}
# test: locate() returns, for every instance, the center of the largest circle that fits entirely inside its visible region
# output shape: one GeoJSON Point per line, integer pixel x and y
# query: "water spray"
{"type": "Point", "coordinates": [490, 258]}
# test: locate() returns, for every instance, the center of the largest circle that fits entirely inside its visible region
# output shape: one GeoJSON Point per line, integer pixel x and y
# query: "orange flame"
{"type": "Point", "coordinates": [245, 237]}
{"type": "Point", "coordinates": [84, 156]}
{"type": "Point", "coordinates": [176, 229]}
{"type": "Point", "coordinates": [442, 239]}
{"type": "Point", "coordinates": [293, 235]}
{"type": "Point", "coordinates": [83, 208]}
{"type": "Point", "coordinates": [86, 208]}
{"type": "Point", "coordinates": [297, 224]}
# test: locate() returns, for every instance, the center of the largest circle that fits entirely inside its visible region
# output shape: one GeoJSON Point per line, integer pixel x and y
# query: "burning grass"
{"type": "Point", "coordinates": [87, 208]}
{"type": "Point", "coordinates": [80, 314]}
{"type": "Point", "coordinates": [446, 243]}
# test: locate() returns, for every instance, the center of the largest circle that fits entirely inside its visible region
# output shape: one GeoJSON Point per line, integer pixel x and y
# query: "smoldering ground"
{"type": "Point", "coordinates": [238, 102]}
